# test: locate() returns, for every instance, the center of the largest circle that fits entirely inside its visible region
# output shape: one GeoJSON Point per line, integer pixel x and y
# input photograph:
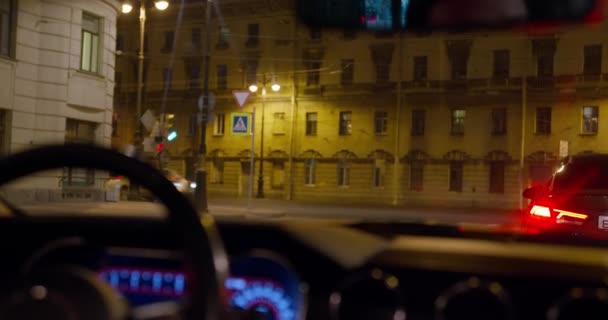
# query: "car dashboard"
{"type": "Point", "coordinates": [295, 270]}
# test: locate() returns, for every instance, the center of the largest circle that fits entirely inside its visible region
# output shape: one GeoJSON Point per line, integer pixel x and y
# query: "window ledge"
{"type": "Point", "coordinates": [587, 134]}
{"type": "Point", "coordinates": [218, 134]}
{"type": "Point", "coordinates": [343, 187]}
{"type": "Point", "coordinates": [310, 185]}
{"type": "Point", "coordinates": [278, 133]}
{"type": "Point", "coordinates": [542, 133]}
{"type": "Point", "coordinates": [90, 74]}
{"type": "Point", "coordinates": [7, 58]}
{"type": "Point", "coordinates": [381, 134]}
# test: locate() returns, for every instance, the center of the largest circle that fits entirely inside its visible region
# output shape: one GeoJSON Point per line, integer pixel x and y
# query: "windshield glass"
{"type": "Point", "coordinates": [582, 176]}
{"type": "Point", "coordinates": [270, 115]}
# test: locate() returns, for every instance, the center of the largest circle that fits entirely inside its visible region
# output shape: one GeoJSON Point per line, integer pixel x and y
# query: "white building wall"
{"type": "Point", "coordinates": [42, 84]}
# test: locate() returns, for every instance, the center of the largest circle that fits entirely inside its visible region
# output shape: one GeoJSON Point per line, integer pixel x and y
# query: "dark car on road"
{"type": "Point", "coordinates": [574, 200]}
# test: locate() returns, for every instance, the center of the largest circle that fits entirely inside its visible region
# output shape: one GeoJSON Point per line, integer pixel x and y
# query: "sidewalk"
{"type": "Point", "coordinates": [280, 209]}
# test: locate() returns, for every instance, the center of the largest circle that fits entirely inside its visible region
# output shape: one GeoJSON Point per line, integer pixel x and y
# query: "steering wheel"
{"type": "Point", "coordinates": [202, 246]}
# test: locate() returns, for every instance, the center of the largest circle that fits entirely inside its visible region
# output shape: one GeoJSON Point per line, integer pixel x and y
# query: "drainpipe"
{"type": "Point", "coordinates": [396, 151]}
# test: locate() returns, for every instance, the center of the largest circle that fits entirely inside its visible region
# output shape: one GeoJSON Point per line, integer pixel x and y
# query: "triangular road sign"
{"type": "Point", "coordinates": [240, 126]}
{"type": "Point", "coordinates": [241, 96]}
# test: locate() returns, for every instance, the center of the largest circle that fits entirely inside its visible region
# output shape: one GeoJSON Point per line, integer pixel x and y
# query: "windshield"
{"type": "Point", "coordinates": [271, 115]}
{"type": "Point", "coordinates": [582, 176]}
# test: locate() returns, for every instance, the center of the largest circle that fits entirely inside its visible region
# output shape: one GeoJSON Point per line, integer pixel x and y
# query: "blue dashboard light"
{"type": "Point", "coordinates": [135, 279]}
{"type": "Point", "coordinates": [157, 281]}
{"type": "Point", "coordinates": [235, 284]}
{"type": "Point", "coordinates": [114, 278]}
{"type": "Point", "coordinates": [179, 283]}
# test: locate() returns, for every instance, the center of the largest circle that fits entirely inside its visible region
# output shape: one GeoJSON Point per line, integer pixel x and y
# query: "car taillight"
{"type": "Point", "coordinates": [568, 214]}
{"type": "Point", "coordinates": [560, 215]}
{"type": "Point", "coordinates": [541, 211]}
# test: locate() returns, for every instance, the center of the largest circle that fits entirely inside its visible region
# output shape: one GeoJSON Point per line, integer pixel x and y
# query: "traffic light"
{"type": "Point", "coordinates": [172, 135]}
{"type": "Point", "coordinates": [160, 147]}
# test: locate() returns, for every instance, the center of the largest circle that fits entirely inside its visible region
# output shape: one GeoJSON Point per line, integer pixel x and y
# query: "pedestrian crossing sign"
{"type": "Point", "coordinates": [240, 124]}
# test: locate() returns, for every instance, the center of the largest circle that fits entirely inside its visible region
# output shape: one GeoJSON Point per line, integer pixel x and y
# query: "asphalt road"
{"type": "Point", "coordinates": [277, 209]}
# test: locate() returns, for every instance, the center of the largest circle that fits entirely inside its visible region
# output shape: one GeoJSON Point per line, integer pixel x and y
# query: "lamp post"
{"type": "Point", "coordinates": [254, 88]}
{"type": "Point", "coordinates": [126, 8]}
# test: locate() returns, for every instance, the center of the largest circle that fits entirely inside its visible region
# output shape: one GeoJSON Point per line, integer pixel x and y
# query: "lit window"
{"type": "Point", "coordinates": [218, 127]}
{"type": "Point", "coordinates": [380, 122]}
{"type": "Point", "coordinates": [591, 116]}
{"type": "Point", "coordinates": [89, 55]}
{"type": "Point", "coordinates": [458, 116]}
{"type": "Point", "coordinates": [311, 123]}
{"type": "Point", "coordinates": [7, 12]}
{"type": "Point", "coordinates": [346, 125]}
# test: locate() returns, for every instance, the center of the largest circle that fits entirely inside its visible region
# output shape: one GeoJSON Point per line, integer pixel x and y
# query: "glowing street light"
{"type": "Point", "coordinates": [161, 4]}
{"type": "Point", "coordinates": [253, 88]}
{"type": "Point", "coordinates": [275, 87]}
{"type": "Point", "coordinates": [126, 7]}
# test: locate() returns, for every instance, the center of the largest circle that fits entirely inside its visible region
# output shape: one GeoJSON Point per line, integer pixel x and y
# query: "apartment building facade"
{"type": "Point", "coordinates": [442, 119]}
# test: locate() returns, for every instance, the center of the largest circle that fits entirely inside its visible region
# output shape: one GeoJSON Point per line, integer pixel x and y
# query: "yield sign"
{"type": "Point", "coordinates": [241, 97]}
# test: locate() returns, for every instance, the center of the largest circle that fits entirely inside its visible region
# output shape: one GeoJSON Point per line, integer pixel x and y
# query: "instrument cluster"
{"type": "Point", "coordinates": [259, 282]}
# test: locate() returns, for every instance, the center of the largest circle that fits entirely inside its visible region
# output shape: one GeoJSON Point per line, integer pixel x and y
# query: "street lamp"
{"type": "Point", "coordinates": [254, 88]}
{"type": "Point", "coordinates": [161, 4]}
{"type": "Point", "coordinates": [126, 8]}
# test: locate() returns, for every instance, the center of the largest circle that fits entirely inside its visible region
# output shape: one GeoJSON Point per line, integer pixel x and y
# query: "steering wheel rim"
{"type": "Point", "coordinates": [202, 243]}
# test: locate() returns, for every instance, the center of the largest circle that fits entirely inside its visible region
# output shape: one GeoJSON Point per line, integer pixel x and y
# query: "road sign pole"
{"type": "Point", "coordinates": [251, 160]}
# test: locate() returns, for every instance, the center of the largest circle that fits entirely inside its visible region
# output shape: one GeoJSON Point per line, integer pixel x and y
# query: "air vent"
{"type": "Point", "coordinates": [474, 299]}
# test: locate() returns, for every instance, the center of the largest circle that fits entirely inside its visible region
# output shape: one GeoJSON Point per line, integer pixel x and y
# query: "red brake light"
{"type": "Point", "coordinates": [569, 214]}
{"type": "Point", "coordinates": [562, 215]}
{"type": "Point", "coordinates": [541, 211]}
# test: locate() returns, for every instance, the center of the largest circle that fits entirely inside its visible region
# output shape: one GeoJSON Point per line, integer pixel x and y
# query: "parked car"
{"type": "Point", "coordinates": [574, 200]}
{"type": "Point", "coordinates": [178, 181]}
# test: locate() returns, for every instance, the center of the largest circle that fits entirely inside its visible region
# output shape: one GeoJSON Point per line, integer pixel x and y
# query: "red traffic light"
{"type": "Point", "coordinates": [160, 147]}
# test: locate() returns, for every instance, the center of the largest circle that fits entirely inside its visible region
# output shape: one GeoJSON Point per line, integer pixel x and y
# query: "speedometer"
{"type": "Point", "coordinates": [262, 296]}
{"type": "Point", "coordinates": [266, 286]}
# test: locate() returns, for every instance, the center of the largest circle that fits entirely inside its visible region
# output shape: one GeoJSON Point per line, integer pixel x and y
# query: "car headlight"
{"type": "Point", "coordinates": [178, 185]}
{"type": "Point", "coordinates": [192, 185]}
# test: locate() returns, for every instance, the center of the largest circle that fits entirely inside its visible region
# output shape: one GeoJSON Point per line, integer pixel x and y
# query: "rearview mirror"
{"type": "Point", "coordinates": [387, 15]}
{"type": "Point", "coordinates": [533, 192]}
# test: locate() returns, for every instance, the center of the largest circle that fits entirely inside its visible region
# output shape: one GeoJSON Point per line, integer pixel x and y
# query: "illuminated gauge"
{"type": "Point", "coordinates": [373, 295]}
{"type": "Point", "coordinates": [262, 296]}
{"type": "Point", "coordinates": [581, 303]}
{"type": "Point", "coordinates": [263, 284]}
{"type": "Point", "coordinates": [474, 299]}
